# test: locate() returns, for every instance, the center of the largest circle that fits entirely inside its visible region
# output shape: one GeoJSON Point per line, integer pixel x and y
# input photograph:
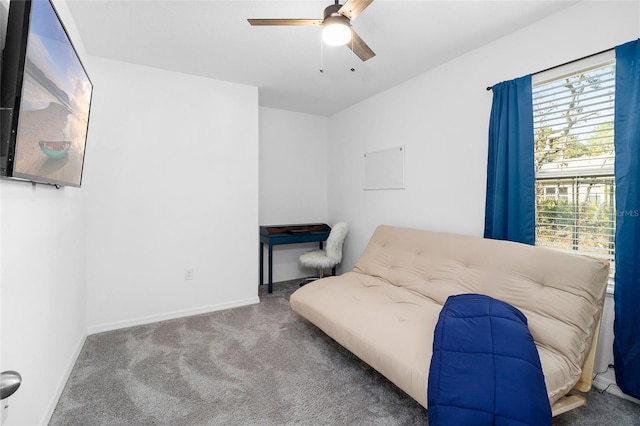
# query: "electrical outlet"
{"type": "Point", "coordinates": [188, 274]}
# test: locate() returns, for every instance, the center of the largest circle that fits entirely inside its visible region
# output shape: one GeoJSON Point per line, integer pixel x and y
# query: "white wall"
{"type": "Point", "coordinates": [43, 293]}
{"type": "Point", "coordinates": [171, 184]}
{"type": "Point", "coordinates": [293, 180]}
{"type": "Point", "coordinates": [43, 297]}
{"type": "Point", "coordinates": [442, 117]}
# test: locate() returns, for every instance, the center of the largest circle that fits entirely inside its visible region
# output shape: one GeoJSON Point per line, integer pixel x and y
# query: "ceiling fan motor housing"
{"type": "Point", "coordinates": [331, 16]}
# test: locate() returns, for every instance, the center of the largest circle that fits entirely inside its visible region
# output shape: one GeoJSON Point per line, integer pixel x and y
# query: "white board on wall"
{"type": "Point", "coordinates": [384, 169]}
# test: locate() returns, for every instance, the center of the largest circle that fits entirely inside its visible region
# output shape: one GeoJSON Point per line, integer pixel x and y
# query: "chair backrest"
{"type": "Point", "coordinates": [335, 240]}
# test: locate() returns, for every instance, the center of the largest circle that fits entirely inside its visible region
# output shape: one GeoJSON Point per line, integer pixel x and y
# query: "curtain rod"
{"type": "Point", "coordinates": [566, 63]}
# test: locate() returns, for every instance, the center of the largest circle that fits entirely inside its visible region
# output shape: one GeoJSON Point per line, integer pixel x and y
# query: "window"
{"type": "Point", "coordinates": [574, 159]}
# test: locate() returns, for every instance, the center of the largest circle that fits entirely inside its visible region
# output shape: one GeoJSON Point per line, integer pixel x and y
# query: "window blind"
{"type": "Point", "coordinates": [574, 160]}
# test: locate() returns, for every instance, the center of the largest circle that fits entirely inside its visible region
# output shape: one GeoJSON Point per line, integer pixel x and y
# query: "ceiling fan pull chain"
{"type": "Point", "coordinates": [321, 55]}
{"type": "Point", "coordinates": [352, 68]}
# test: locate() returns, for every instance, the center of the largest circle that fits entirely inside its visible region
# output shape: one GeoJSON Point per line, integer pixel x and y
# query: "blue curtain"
{"type": "Point", "coordinates": [626, 344]}
{"type": "Point", "coordinates": [510, 202]}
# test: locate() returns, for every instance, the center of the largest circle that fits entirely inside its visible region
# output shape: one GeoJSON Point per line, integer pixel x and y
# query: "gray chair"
{"type": "Point", "coordinates": [330, 256]}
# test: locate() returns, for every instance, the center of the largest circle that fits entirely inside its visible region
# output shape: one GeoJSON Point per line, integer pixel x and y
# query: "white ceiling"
{"type": "Point", "coordinates": [212, 38]}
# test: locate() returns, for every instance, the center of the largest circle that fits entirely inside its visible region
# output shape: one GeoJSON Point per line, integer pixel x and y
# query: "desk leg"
{"type": "Point", "coordinates": [270, 268]}
{"type": "Point", "coordinates": [261, 262]}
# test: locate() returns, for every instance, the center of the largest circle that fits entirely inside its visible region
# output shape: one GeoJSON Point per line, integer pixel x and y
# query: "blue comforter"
{"type": "Point", "coordinates": [485, 368]}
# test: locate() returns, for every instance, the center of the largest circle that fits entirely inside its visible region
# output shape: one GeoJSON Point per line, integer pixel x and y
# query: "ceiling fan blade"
{"type": "Point", "coordinates": [352, 8]}
{"type": "Point", "coordinates": [285, 21]}
{"type": "Point", "coordinates": [359, 47]}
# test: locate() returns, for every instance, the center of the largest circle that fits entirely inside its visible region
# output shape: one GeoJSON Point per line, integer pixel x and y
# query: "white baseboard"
{"type": "Point", "coordinates": [610, 386]}
{"type": "Point", "coordinates": [170, 315]}
{"type": "Point", "coordinates": [65, 378]}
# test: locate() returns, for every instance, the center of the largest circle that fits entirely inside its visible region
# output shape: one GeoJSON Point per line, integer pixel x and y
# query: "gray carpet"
{"type": "Point", "coordinates": [254, 365]}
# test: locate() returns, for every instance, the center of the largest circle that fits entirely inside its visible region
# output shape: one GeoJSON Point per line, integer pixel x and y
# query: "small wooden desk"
{"type": "Point", "coordinates": [273, 235]}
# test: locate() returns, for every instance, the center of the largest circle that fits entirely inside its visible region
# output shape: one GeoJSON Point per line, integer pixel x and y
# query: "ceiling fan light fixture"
{"type": "Point", "coordinates": [336, 31]}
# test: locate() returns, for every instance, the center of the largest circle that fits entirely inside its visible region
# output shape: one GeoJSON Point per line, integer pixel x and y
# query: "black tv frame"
{"type": "Point", "coordinates": [14, 57]}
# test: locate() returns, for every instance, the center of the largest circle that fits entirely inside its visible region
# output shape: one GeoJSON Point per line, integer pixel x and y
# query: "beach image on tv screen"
{"type": "Point", "coordinates": [54, 110]}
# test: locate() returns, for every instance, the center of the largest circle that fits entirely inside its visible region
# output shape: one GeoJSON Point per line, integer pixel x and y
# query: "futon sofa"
{"type": "Point", "coordinates": [385, 309]}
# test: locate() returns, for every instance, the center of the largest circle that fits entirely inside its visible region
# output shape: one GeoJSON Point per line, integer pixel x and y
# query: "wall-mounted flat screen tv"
{"type": "Point", "coordinates": [45, 99]}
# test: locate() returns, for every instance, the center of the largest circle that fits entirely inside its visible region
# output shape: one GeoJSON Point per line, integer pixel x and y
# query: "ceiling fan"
{"type": "Point", "coordinates": [336, 26]}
